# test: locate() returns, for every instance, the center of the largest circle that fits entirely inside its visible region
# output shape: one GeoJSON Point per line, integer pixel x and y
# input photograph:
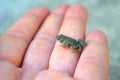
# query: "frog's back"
{"type": "Point", "coordinates": [67, 39]}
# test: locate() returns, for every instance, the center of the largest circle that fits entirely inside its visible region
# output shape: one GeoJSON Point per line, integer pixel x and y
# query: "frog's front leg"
{"type": "Point", "coordinates": [65, 44]}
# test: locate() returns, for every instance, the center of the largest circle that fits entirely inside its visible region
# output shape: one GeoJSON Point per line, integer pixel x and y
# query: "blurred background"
{"type": "Point", "coordinates": [103, 15]}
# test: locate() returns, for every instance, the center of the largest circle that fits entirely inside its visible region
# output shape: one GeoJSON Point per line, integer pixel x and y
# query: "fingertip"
{"type": "Point", "coordinates": [37, 11]}
{"type": "Point", "coordinates": [81, 7]}
{"type": "Point", "coordinates": [97, 36]}
{"type": "Point", "coordinates": [61, 9]}
{"type": "Point", "coordinates": [79, 10]}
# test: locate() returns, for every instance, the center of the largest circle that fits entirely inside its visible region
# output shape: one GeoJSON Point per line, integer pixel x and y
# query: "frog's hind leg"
{"type": "Point", "coordinates": [82, 43]}
{"type": "Point", "coordinates": [80, 49]}
{"type": "Point", "coordinates": [74, 46]}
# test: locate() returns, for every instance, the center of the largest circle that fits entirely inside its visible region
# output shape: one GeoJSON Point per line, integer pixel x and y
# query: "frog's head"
{"type": "Point", "coordinates": [60, 38]}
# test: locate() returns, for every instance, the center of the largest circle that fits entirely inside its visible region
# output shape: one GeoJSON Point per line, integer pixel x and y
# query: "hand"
{"type": "Point", "coordinates": [29, 51]}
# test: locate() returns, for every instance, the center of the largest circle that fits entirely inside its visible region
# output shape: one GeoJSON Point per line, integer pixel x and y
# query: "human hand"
{"type": "Point", "coordinates": [29, 51]}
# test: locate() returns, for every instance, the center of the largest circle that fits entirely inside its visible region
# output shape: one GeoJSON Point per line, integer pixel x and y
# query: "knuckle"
{"type": "Point", "coordinates": [47, 37]}
{"type": "Point", "coordinates": [17, 35]}
{"type": "Point", "coordinates": [94, 62]}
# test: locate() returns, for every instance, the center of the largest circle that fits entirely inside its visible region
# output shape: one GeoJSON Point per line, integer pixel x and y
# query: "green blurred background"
{"type": "Point", "coordinates": [103, 15]}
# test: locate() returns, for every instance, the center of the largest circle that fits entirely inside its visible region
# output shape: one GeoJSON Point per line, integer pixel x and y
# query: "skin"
{"type": "Point", "coordinates": [29, 51]}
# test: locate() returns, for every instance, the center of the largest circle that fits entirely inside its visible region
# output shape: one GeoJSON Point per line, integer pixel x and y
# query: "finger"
{"type": "Point", "coordinates": [93, 63]}
{"type": "Point", "coordinates": [52, 75]}
{"type": "Point", "coordinates": [16, 39]}
{"type": "Point", "coordinates": [8, 71]}
{"type": "Point", "coordinates": [73, 26]}
{"type": "Point", "coordinates": [38, 54]}
{"type": "Point", "coordinates": [23, 74]}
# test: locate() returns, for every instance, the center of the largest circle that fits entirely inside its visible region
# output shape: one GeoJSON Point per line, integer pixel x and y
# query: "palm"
{"type": "Point", "coordinates": [39, 57]}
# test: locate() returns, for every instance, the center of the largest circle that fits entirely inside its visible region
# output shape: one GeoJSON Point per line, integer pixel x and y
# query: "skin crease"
{"type": "Point", "coordinates": [29, 51]}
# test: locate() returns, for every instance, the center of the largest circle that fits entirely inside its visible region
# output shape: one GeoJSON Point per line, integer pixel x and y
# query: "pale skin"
{"type": "Point", "coordinates": [29, 51]}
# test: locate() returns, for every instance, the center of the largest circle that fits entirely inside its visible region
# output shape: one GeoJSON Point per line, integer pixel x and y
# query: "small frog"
{"type": "Point", "coordinates": [72, 43]}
